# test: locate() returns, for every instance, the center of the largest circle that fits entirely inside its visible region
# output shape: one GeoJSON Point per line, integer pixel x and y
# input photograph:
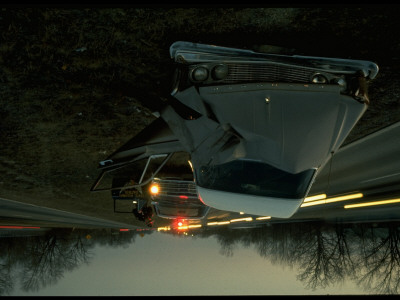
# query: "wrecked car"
{"type": "Point", "coordinates": [173, 198]}
{"type": "Point", "coordinates": [257, 126]}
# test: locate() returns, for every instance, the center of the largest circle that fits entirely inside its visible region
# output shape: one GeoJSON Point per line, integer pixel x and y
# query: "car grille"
{"type": "Point", "coordinates": [176, 187]}
{"type": "Point", "coordinates": [266, 73]}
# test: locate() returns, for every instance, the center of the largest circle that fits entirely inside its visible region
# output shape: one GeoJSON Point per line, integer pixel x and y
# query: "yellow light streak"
{"type": "Point", "coordinates": [263, 218]}
{"type": "Point", "coordinates": [189, 227]}
{"type": "Point", "coordinates": [195, 226]}
{"type": "Point", "coordinates": [212, 223]}
{"type": "Point", "coordinates": [242, 219]}
{"type": "Point", "coordinates": [312, 203]}
{"type": "Point", "coordinates": [218, 223]}
{"type": "Point", "coordinates": [316, 197]}
{"type": "Point", "coordinates": [166, 228]}
{"type": "Point", "coordinates": [335, 199]}
{"type": "Point", "coordinates": [381, 202]}
{"type": "Point", "coordinates": [190, 164]}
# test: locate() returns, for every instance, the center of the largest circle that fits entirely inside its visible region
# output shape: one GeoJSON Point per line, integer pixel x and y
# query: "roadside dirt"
{"type": "Point", "coordinates": [75, 84]}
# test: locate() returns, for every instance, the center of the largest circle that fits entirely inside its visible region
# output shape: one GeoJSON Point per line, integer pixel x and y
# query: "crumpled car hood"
{"type": "Point", "coordinates": [293, 127]}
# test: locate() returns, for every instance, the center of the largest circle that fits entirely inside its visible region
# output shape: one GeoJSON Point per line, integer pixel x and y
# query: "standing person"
{"type": "Point", "coordinates": [138, 214]}
{"type": "Point", "coordinates": [144, 211]}
{"type": "Point", "coordinates": [138, 210]}
{"type": "Point", "coordinates": [148, 212]}
{"type": "Point", "coordinates": [148, 215]}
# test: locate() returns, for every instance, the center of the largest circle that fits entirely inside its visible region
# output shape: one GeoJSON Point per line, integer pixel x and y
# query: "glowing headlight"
{"type": "Point", "coordinates": [154, 189]}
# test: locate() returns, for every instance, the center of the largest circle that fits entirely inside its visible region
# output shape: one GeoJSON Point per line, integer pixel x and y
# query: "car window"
{"type": "Point", "coordinates": [254, 178]}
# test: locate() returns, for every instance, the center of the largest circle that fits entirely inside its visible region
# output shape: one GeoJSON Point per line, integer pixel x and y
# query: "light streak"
{"type": "Point", "coordinates": [190, 164]}
{"type": "Point", "coordinates": [331, 200]}
{"type": "Point", "coordinates": [316, 197]}
{"type": "Point", "coordinates": [381, 202]}
{"type": "Point", "coordinates": [263, 218]}
{"type": "Point", "coordinates": [218, 223]}
{"type": "Point", "coordinates": [18, 227]}
{"type": "Point", "coordinates": [182, 227]}
{"type": "Point", "coordinates": [195, 226]}
{"type": "Point", "coordinates": [242, 219]}
{"type": "Point", "coordinates": [165, 228]}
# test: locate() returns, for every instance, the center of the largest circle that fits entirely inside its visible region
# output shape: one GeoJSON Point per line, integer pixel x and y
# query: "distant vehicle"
{"type": "Point", "coordinates": [174, 198]}
{"type": "Point", "coordinates": [257, 126]}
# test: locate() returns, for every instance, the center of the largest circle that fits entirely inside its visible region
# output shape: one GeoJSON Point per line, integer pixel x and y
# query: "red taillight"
{"type": "Point", "coordinates": [179, 223]}
{"type": "Point", "coordinates": [183, 197]}
{"type": "Point", "coordinates": [123, 229]}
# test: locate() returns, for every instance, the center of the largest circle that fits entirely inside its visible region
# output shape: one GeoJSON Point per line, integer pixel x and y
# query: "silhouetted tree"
{"type": "Point", "coordinates": [44, 259]}
{"type": "Point", "coordinates": [381, 261]}
{"type": "Point", "coordinates": [6, 282]}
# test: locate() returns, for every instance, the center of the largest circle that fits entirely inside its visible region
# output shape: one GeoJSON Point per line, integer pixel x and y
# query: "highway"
{"type": "Point", "coordinates": [372, 162]}
{"type": "Point", "coordinates": [365, 172]}
{"type": "Point", "coordinates": [360, 183]}
{"type": "Point", "coordinates": [368, 170]}
{"type": "Point", "coordinates": [14, 212]}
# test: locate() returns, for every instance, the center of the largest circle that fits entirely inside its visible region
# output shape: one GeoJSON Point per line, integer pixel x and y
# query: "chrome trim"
{"type": "Point", "coordinates": [188, 53]}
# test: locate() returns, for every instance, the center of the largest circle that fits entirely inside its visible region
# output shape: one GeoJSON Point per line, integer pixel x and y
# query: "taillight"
{"type": "Point", "coordinates": [180, 224]}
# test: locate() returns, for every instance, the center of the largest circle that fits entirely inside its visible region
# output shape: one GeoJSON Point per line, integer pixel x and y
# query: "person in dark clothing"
{"type": "Point", "coordinates": [147, 212]}
{"type": "Point", "coordinates": [138, 214]}
{"type": "Point", "coordinates": [144, 212]}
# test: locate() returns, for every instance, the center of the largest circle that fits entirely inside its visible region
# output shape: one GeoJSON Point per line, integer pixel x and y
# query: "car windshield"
{"type": "Point", "coordinates": [254, 178]}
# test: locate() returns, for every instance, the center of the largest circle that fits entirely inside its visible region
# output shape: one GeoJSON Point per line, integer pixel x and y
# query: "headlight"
{"type": "Point", "coordinates": [200, 74]}
{"type": "Point", "coordinates": [220, 72]}
{"type": "Point", "coordinates": [154, 189]}
{"type": "Point", "coordinates": [319, 78]}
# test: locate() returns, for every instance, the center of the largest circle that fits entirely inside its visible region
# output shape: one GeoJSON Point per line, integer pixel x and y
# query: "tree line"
{"type": "Point", "coordinates": [325, 254]}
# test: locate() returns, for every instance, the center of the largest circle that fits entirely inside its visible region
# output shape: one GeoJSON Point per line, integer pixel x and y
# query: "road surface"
{"type": "Point", "coordinates": [372, 162]}
{"type": "Point", "coordinates": [12, 212]}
